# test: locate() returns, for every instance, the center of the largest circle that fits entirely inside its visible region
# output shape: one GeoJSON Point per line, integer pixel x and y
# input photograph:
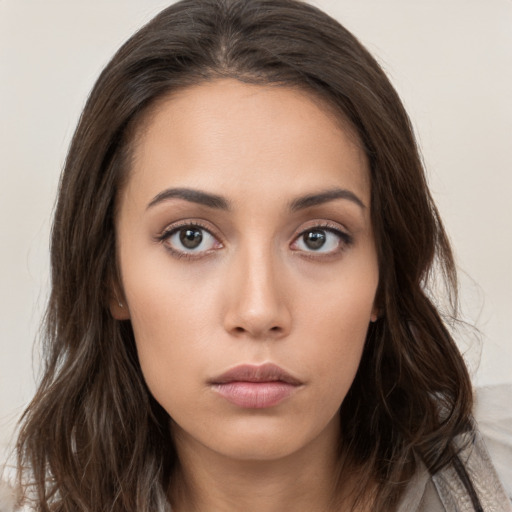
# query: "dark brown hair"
{"type": "Point", "coordinates": [93, 438]}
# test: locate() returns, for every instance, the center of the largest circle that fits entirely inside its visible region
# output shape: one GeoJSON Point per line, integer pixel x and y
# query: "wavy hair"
{"type": "Point", "coordinates": [93, 438]}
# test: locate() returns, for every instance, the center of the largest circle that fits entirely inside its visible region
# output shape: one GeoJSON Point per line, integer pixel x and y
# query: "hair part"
{"type": "Point", "coordinates": [94, 438]}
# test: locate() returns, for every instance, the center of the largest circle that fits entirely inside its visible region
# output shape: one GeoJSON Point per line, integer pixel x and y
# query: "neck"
{"type": "Point", "coordinates": [304, 481]}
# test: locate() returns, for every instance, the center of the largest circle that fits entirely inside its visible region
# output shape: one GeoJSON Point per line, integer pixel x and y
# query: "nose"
{"type": "Point", "coordinates": [258, 302]}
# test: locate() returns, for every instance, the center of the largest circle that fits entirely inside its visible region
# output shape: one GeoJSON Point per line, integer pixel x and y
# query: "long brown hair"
{"type": "Point", "coordinates": [93, 438]}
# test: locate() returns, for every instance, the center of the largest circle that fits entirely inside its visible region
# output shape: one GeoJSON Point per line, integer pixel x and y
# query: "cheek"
{"type": "Point", "coordinates": [337, 317]}
{"type": "Point", "coordinates": [172, 315]}
{"type": "Point", "coordinates": [164, 299]}
{"type": "Point", "coordinates": [339, 342]}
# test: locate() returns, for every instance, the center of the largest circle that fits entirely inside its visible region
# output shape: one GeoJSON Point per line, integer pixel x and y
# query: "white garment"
{"type": "Point", "coordinates": [445, 491]}
{"type": "Point", "coordinates": [493, 413]}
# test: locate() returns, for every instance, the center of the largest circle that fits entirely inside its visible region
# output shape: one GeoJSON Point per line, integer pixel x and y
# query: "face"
{"type": "Point", "coordinates": [248, 266]}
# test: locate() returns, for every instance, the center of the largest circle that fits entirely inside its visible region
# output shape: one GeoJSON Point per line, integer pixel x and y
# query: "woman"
{"type": "Point", "coordinates": [240, 316]}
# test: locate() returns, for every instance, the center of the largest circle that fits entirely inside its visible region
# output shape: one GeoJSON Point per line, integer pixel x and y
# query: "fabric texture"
{"type": "Point", "coordinates": [445, 491]}
{"type": "Point", "coordinates": [493, 414]}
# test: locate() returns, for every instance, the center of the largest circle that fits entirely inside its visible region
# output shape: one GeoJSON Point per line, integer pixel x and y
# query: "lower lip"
{"type": "Point", "coordinates": [255, 395]}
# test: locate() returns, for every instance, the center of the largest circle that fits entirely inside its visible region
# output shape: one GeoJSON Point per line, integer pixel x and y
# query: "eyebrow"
{"type": "Point", "coordinates": [193, 196]}
{"type": "Point", "coordinates": [324, 197]}
{"type": "Point", "coordinates": [220, 203]}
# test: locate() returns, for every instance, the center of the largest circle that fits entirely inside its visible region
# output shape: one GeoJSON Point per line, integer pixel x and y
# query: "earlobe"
{"type": "Point", "coordinates": [118, 309]}
{"type": "Point", "coordinates": [377, 309]}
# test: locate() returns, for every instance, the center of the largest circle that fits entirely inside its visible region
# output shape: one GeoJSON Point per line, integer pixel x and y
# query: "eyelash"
{"type": "Point", "coordinates": [172, 230]}
{"type": "Point", "coordinates": [346, 240]}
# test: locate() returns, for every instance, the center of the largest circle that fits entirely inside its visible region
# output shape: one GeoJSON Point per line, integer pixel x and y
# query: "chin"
{"type": "Point", "coordinates": [264, 439]}
{"type": "Point", "coordinates": [258, 447]}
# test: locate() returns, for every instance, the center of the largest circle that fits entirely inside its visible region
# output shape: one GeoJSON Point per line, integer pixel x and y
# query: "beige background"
{"type": "Point", "coordinates": [451, 60]}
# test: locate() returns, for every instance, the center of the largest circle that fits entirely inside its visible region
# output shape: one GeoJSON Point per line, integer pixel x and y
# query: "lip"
{"type": "Point", "coordinates": [255, 386]}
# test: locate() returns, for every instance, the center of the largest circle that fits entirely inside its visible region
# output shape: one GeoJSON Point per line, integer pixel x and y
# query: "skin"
{"type": "Point", "coordinates": [253, 292]}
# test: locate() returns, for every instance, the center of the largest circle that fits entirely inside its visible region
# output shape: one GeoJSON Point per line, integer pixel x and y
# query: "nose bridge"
{"type": "Point", "coordinates": [257, 304]}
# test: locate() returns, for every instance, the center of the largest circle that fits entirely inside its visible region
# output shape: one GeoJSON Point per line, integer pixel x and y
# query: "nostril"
{"type": "Point", "coordinates": [241, 330]}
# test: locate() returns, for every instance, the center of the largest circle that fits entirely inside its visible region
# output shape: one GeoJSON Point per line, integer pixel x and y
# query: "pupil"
{"type": "Point", "coordinates": [191, 238]}
{"type": "Point", "coordinates": [314, 239]}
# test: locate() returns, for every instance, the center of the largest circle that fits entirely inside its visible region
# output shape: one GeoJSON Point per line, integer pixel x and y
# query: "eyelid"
{"type": "Point", "coordinates": [346, 239]}
{"type": "Point", "coordinates": [174, 227]}
{"type": "Point", "coordinates": [328, 225]}
{"type": "Point", "coordinates": [195, 223]}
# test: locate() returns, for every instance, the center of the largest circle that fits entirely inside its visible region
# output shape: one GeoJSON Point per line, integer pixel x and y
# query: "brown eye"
{"type": "Point", "coordinates": [314, 239]}
{"type": "Point", "coordinates": [322, 240]}
{"type": "Point", "coordinates": [191, 238]}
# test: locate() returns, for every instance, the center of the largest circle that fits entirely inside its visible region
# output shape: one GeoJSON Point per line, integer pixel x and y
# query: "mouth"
{"type": "Point", "coordinates": [255, 386]}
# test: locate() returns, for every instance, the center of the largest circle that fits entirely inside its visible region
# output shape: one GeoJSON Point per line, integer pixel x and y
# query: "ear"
{"type": "Point", "coordinates": [377, 308]}
{"type": "Point", "coordinates": [376, 311]}
{"type": "Point", "coordinates": [118, 307]}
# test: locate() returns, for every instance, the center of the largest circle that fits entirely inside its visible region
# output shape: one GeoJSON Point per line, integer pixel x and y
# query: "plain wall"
{"type": "Point", "coordinates": [451, 61]}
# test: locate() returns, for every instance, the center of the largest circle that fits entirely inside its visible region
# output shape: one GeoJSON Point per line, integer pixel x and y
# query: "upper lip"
{"type": "Point", "coordinates": [267, 372]}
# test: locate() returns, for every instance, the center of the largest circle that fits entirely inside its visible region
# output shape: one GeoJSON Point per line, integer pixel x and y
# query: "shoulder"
{"type": "Point", "coordinates": [446, 490]}
{"type": "Point", "coordinates": [473, 463]}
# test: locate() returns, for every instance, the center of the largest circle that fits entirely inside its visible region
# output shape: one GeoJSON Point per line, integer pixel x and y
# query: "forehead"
{"type": "Point", "coordinates": [224, 133]}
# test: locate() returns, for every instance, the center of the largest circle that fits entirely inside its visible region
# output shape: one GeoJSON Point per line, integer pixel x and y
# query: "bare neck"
{"type": "Point", "coordinates": [304, 481]}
